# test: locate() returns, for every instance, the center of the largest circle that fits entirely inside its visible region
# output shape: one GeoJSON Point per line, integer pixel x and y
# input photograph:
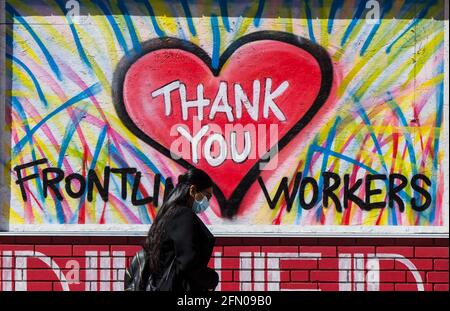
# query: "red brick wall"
{"type": "Point", "coordinates": [98, 263]}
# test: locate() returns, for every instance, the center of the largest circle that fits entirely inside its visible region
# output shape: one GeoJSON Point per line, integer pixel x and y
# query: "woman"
{"type": "Point", "coordinates": [178, 243]}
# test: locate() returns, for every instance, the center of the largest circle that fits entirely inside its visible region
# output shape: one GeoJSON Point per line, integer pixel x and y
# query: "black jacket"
{"type": "Point", "coordinates": [187, 238]}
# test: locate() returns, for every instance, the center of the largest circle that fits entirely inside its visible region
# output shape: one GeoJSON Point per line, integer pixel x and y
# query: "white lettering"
{"type": "Point", "coordinates": [221, 103]}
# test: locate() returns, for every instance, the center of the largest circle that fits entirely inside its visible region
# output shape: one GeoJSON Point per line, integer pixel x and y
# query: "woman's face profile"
{"type": "Point", "coordinates": [199, 200]}
{"type": "Point", "coordinates": [204, 193]}
{"type": "Point", "coordinates": [199, 195]}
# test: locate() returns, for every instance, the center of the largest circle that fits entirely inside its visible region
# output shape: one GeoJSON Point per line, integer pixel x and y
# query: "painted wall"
{"type": "Point", "coordinates": [349, 106]}
{"type": "Point", "coordinates": [98, 264]}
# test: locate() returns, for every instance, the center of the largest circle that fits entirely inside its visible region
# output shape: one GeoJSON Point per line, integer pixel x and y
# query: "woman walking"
{"type": "Point", "coordinates": [178, 246]}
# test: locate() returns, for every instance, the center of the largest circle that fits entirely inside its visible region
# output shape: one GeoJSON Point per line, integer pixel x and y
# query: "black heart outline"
{"type": "Point", "coordinates": [230, 206]}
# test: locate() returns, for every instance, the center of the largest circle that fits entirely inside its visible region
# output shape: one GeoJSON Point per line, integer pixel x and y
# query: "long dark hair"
{"type": "Point", "coordinates": [178, 196]}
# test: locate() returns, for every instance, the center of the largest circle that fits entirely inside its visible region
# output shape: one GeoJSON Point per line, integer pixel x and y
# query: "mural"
{"type": "Point", "coordinates": [317, 113]}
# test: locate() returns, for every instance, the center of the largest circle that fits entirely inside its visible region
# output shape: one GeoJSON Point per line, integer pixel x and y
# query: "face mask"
{"type": "Point", "coordinates": [200, 206]}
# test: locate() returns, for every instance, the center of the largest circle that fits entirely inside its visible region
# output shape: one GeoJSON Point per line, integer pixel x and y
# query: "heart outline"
{"type": "Point", "coordinates": [228, 206]}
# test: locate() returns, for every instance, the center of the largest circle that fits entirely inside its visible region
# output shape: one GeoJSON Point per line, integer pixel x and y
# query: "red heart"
{"type": "Point", "coordinates": [279, 56]}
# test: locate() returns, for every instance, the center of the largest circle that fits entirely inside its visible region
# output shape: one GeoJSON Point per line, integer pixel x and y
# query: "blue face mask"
{"type": "Point", "coordinates": [200, 206]}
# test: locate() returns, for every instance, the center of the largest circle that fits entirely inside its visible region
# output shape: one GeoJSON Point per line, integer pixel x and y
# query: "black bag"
{"type": "Point", "coordinates": [170, 280]}
{"type": "Point", "coordinates": [165, 283]}
{"type": "Point", "coordinates": [133, 273]}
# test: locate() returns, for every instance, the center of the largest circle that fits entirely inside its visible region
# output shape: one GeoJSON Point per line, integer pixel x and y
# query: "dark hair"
{"type": "Point", "coordinates": [178, 196]}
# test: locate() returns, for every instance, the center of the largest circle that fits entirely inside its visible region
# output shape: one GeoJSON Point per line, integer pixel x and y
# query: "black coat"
{"type": "Point", "coordinates": [187, 237]}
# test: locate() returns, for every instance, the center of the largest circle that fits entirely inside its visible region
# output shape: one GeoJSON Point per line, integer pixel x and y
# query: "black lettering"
{"type": "Point", "coordinates": [328, 190]}
{"type": "Point", "coordinates": [282, 188]}
{"type": "Point", "coordinates": [394, 190]}
{"type": "Point", "coordinates": [20, 180]}
{"type": "Point", "coordinates": [123, 172]}
{"type": "Point", "coordinates": [349, 192]}
{"type": "Point", "coordinates": [52, 183]}
{"type": "Point", "coordinates": [81, 180]}
{"type": "Point", "coordinates": [134, 200]}
{"type": "Point", "coordinates": [156, 185]}
{"type": "Point", "coordinates": [370, 192]}
{"type": "Point", "coordinates": [312, 203]}
{"type": "Point", "coordinates": [414, 183]}
{"type": "Point", "coordinates": [102, 189]}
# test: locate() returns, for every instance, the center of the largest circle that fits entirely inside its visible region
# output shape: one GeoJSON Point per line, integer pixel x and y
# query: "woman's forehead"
{"type": "Point", "coordinates": [206, 190]}
{"type": "Point", "coordinates": [209, 190]}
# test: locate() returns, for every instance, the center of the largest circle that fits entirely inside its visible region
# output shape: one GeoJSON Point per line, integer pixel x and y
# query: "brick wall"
{"type": "Point", "coordinates": [345, 264]}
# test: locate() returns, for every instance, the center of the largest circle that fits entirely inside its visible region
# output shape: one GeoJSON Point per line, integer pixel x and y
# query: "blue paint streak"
{"type": "Point", "coordinates": [259, 11]}
{"type": "Point", "coordinates": [216, 41]}
{"type": "Point", "coordinates": [76, 38]}
{"type": "Point", "coordinates": [309, 155]}
{"type": "Point", "coordinates": [335, 6]}
{"type": "Point", "coordinates": [80, 49]}
{"type": "Point", "coordinates": [139, 154]}
{"type": "Point", "coordinates": [68, 135]}
{"type": "Point", "coordinates": [20, 111]}
{"type": "Point", "coordinates": [188, 14]}
{"type": "Point", "coordinates": [59, 212]}
{"type": "Point", "coordinates": [224, 13]}
{"type": "Point", "coordinates": [91, 91]}
{"type": "Point", "coordinates": [33, 78]}
{"type": "Point", "coordinates": [416, 20]}
{"type": "Point", "coordinates": [329, 142]}
{"type": "Point", "coordinates": [345, 158]}
{"type": "Point", "coordinates": [109, 16]}
{"type": "Point", "coordinates": [181, 32]}
{"type": "Point", "coordinates": [143, 212]}
{"type": "Point", "coordinates": [158, 30]}
{"type": "Point", "coordinates": [410, 146]}
{"type": "Point", "coordinates": [239, 21]}
{"type": "Point", "coordinates": [369, 38]}
{"type": "Point", "coordinates": [386, 7]}
{"type": "Point", "coordinates": [120, 162]}
{"type": "Point", "coordinates": [134, 38]}
{"type": "Point", "coordinates": [392, 218]}
{"type": "Point", "coordinates": [36, 38]}
{"type": "Point", "coordinates": [359, 11]}
{"type": "Point", "coordinates": [99, 145]}
{"type": "Point", "coordinates": [305, 172]}
{"type": "Point", "coordinates": [439, 114]}
{"type": "Point", "coordinates": [363, 115]}
{"type": "Point", "coordinates": [309, 19]}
